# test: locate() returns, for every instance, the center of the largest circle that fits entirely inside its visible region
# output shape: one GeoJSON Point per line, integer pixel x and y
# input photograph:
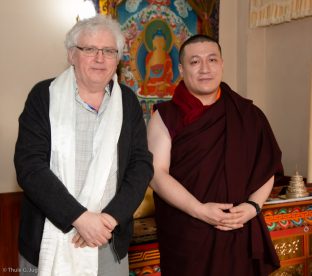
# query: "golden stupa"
{"type": "Point", "coordinates": [296, 187]}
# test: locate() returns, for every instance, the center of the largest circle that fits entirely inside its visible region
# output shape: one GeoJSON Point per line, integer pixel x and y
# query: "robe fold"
{"type": "Point", "coordinates": [224, 156]}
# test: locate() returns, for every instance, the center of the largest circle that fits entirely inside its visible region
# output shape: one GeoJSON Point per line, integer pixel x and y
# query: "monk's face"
{"type": "Point", "coordinates": [201, 68]}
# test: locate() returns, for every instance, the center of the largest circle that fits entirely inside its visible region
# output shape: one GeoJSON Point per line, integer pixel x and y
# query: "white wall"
{"type": "Point", "coordinates": [31, 49]}
{"type": "Point", "coordinates": [278, 80]}
{"type": "Point", "coordinates": [228, 39]}
{"type": "Point", "coordinates": [288, 77]}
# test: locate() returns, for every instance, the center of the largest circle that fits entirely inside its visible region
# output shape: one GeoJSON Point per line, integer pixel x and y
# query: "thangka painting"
{"type": "Point", "coordinates": [154, 31]}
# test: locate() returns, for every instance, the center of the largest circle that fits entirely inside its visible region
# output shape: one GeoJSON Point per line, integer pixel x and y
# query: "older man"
{"type": "Point", "coordinates": [82, 160]}
{"type": "Point", "coordinates": [215, 157]}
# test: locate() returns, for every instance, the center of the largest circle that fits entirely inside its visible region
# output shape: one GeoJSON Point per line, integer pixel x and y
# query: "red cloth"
{"type": "Point", "coordinates": [191, 107]}
{"type": "Point", "coordinates": [224, 156]}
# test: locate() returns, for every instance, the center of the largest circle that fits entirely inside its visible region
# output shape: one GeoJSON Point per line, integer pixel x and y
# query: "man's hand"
{"type": "Point", "coordinates": [110, 220]}
{"type": "Point", "coordinates": [219, 215]}
{"type": "Point", "coordinates": [79, 241]}
{"type": "Point", "coordinates": [244, 212]}
{"type": "Point", "coordinates": [93, 229]}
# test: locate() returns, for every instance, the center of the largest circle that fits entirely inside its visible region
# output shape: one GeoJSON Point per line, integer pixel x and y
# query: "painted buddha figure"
{"type": "Point", "coordinates": [159, 74]}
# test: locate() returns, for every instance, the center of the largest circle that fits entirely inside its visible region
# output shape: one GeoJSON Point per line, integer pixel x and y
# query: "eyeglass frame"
{"type": "Point", "coordinates": [106, 51]}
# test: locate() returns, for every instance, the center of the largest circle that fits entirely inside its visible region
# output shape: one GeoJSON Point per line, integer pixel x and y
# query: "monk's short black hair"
{"type": "Point", "coordinates": [194, 39]}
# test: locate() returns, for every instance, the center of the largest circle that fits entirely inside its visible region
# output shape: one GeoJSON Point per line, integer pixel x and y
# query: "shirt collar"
{"type": "Point", "coordinates": [108, 88]}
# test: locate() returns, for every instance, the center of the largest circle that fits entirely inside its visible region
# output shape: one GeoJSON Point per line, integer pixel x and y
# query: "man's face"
{"type": "Point", "coordinates": [201, 68]}
{"type": "Point", "coordinates": [94, 71]}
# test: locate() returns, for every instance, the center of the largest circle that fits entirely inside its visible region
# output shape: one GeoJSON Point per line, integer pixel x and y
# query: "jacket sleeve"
{"type": "Point", "coordinates": [32, 162]}
{"type": "Point", "coordinates": [135, 162]}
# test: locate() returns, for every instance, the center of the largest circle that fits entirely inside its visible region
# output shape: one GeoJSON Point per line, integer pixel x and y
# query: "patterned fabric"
{"type": "Point", "coordinates": [87, 123]}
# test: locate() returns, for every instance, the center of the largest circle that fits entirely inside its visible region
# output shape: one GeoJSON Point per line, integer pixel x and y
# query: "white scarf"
{"type": "Point", "coordinates": [58, 256]}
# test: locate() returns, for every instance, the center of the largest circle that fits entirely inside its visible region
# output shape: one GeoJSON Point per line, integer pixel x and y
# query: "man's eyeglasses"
{"type": "Point", "coordinates": [92, 51]}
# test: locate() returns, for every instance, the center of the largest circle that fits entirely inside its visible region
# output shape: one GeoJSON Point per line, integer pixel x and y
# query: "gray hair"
{"type": "Point", "coordinates": [94, 24]}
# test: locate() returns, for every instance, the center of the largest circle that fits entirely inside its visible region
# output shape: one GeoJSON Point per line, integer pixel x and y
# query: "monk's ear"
{"type": "Point", "coordinates": [180, 67]}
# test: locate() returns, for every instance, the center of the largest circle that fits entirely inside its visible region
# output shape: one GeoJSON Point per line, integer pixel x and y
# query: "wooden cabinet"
{"type": "Point", "coordinates": [143, 254]}
{"type": "Point", "coordinates": [290, 226]}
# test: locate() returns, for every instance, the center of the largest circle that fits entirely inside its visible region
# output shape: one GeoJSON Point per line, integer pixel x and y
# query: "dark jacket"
{"type": "Point", "coordinates": [46, 196]}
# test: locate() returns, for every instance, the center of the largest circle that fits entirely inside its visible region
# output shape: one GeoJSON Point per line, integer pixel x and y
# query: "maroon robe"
{"type": "Point", "coordinates": [225, 155]}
